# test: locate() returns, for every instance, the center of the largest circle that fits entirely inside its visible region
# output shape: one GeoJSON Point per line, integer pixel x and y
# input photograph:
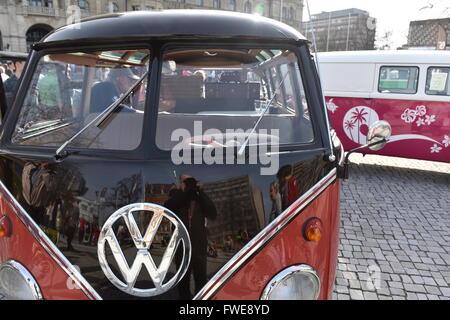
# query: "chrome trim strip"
{"type": "Point", "coordinates": [27, 276]}
{"type": "Point", "coordinates": [287, 272]}
{"type": "Point", "coordinates": [48, 245]}
{"type": "Point", "coordinates": [263, 237]}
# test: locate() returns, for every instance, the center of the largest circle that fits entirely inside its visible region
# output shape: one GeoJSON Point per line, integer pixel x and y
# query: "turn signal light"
{"type": "Point", "coordinates": [5, 227]}
{"type": "Point", "coordinates": [313, 230]}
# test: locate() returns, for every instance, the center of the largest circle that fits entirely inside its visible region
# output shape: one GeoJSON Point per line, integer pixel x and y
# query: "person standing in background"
{"type": "Point", "coordinates": [3, 74]}
{"type": "Point", "coordinates": [13, 81]}
{"type": "Point", "coordinates": [276, 201]}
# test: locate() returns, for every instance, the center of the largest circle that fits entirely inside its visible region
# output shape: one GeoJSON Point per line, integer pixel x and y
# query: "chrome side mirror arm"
{"type": "Point", "coordinates": [378, 136]}
{"type": "Point", "coordinates": [343, 172]}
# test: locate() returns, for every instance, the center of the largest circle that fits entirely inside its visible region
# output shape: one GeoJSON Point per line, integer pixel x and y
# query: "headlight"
{"type": "Point", "coordinates": [294, 283]}
{"type": "Point", "coordinates": [17, 283]}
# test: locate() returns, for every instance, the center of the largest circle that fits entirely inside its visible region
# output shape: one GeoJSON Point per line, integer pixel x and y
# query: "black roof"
{"type": "Point", "coordinates": [169, 23]}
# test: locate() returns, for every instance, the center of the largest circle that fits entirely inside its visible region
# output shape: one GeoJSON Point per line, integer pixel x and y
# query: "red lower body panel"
{"type": "Point", "coordinates": [23, 247]}
{"type": "Point", "coordinates": [289, 247]}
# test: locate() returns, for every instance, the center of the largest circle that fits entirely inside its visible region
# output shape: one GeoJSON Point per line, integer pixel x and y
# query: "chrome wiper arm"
{"type": "Point", "coordinates": [244, 145]}
{"type": "Point", "coordinates": [98, 120]}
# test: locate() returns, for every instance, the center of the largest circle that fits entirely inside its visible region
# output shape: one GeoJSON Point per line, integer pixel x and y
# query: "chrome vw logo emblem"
{"type": "Point", "coordinates": [144, 257]}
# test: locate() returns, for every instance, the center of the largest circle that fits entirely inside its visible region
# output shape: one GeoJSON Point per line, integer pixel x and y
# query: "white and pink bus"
{"type": "Point", "coordinates": [409, 89]}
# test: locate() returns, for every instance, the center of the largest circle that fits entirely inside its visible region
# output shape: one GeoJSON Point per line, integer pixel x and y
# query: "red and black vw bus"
{"type": "Point", "coordinates": [169, 155]}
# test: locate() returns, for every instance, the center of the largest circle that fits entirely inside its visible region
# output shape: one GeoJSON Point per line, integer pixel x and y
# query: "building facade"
{"type": "Point", "coordinates": [23, 22]}
{"type": "Point", "coordinates": [343, 30]}
{"type": "Point", "coordinates": [429, 34]}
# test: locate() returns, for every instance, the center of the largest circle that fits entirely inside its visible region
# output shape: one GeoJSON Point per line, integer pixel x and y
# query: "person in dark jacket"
{"type": "Point", "coordinates": [105, 93]}
{"type": "Point", "coordinates": [193, 207]}
{"type": "Point", "coordinates": [12, 83]}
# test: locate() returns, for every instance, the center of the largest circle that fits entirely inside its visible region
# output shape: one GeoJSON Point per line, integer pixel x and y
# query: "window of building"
{"type": "Point", "coordinates": [248, 7]}
{"type": "Point", "coordinates": [398, 79]}
{"type": "Point", "coordinates": [217, 4]}
{"type": "Point", "coordinates": [112, 7]}
{"type": "Point", "coordinates": [84, 5]}
{"type": "Point", "coordinates": [199, 2]}
{"type": "Point", "coordinates": [438, 81]}
{"type": "Point", "coordinates": [36, 33]}
{"type": "Point", "coordinates": [41, 3]}
{"type": "Point", "coordinates": [284, 13]}
{"type": "Point", "coordinates": [232, 5]}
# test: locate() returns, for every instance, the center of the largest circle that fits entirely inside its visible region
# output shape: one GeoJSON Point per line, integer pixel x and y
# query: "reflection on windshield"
{"type": "Point", "coordinates": [70, 90]}
{"type": "Point", "coordinates": [230, 89]}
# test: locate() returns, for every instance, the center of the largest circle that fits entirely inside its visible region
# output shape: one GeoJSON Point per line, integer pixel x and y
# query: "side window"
{"type": "Point", "coordinates": [398, 80]}
{"type": "Point", "coordinates": [290, 74]}
{"type": "Point", "coordinates": [279, 82]}
{"type": "Point", "coordinates": [68, 90]}
{"type": "Point", "coordinates": [438, 82]}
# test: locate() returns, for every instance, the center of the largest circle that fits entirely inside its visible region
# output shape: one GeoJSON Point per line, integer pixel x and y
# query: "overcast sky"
{"type": "Point", "coordinates": [391, 15]}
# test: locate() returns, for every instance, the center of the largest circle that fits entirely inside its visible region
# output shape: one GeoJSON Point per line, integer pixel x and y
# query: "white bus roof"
{"type": "Point", "coordinates": [387, 56]}
{"type": "Point", "coordinates": [356, 73]}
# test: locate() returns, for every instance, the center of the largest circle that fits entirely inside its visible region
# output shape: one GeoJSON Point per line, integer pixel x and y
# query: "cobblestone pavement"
{"type": "Point", "coordinates": [395, 230]}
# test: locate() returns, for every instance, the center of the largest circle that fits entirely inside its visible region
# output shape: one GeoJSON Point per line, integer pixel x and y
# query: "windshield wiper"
{"type": "Point", "coordinates": [37, 129]}
{"type": "Point", "coordinates": [241, 150]}
{"type": "Point", "coordinates": [98, 120]}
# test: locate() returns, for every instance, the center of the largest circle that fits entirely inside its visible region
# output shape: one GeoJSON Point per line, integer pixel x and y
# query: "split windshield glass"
{"type": "Point", "coordinates": [68, 90]}
{"type": "Point", "coordinates": [230, 89]}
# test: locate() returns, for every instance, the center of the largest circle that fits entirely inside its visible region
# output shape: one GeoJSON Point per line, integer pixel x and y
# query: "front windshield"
{"type": "Point", "coordinates": [229, 89]}
{"type": "Point", "coordinates": [68, 90]}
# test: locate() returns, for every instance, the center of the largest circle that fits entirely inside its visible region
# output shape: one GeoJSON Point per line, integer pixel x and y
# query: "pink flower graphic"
{"type": "Point", "coordinates": [409, 116]}
{"type": "Point", "coordinates": [446, 141]}
{"type": "Point", "coordinates": [435, 149]}
{"type": "Point", "coordinates": [421, 111]}
{"type": "Point", "coordinates": [420, 122]}
{"type": "Point", "coordinates": [430, 119]}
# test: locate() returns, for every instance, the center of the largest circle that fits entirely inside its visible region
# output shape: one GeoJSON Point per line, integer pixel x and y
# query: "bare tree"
{"type": "Point", "coordinates": [437, 3]}
{"type": "Point", "coordinates": [384, 41]}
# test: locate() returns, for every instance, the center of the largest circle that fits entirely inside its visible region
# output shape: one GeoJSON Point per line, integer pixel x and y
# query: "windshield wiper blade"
{"type": "Point", "coordinates": [98, 120]}
{"type": "Point", "coordinates": [40, 130]}
{"type": "Point", "coordinates": [244, 145]}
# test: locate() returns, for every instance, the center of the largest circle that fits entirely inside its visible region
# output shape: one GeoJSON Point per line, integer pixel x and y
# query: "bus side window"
{"type": "Point", "coordinates": [438, 82]}
{"type": "Point", "coordinates": [398, 80]}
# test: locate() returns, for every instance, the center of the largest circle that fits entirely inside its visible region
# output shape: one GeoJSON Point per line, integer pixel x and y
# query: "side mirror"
{"type": "Point", "coordinates": [378, 136]}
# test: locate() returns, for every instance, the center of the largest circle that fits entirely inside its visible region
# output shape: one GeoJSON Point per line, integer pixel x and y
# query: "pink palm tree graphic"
{"type": "Point", "coordinates": [350, 125]}
{"type": "Point", "coordinates": [359, 116]}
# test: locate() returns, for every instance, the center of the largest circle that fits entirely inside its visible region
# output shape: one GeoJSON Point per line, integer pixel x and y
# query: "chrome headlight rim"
{"type": "Point", "coordinates": [26, 275]}
{"type": "Point", "coordinates": [285, 273]}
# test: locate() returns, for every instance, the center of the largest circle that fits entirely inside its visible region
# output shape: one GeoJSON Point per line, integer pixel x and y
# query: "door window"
{"type": "Point", "coordinates": [398, 80]}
